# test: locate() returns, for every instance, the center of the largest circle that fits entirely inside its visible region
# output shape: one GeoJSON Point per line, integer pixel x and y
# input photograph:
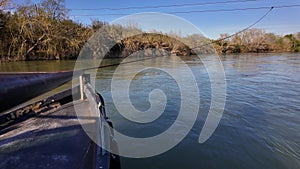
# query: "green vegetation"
{"type": "Point", "coordinates": [44, 32]}
{"type": "Point", "coordinates": [256, 41]}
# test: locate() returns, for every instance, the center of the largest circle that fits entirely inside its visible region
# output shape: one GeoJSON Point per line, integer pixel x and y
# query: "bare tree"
{"type": "Point", "coordinates": [55, 8]}
{"type": "Point", "coordinates": [3, 3]}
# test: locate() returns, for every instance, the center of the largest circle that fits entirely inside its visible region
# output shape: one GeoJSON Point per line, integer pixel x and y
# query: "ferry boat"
{"type": "Point", "coordinates": [48, 133]}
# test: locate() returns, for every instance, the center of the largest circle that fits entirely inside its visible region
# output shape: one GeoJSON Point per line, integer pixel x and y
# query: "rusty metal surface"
{"type": "Point", "coordinates": [36, 108]}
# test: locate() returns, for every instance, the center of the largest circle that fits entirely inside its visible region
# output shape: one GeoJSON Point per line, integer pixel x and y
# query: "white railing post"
{"type": "Point", "coordinates": [83, 79]}
{"type": "Point", "coordinates": [81, 87]}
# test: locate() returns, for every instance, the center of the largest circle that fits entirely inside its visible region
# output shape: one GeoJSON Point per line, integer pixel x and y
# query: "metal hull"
{"type": "Point", "coordinates": [50, 134]}
{"type": "Point", "coordinates": [16, 88]}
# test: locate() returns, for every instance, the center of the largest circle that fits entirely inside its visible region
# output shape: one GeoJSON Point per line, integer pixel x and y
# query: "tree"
{"type": "Point", "coordinates": [297, 35]}
{"type": "Point", "coordinates": [55, 9]}
{"type": "Point", "coordinates": [253, 40]}
{"type": "Point", "coordinates": [293, 43]}
{"type": "Point", "coordinates": [3, 3]}
{"type": "Point", "coordinates": [97, 24]}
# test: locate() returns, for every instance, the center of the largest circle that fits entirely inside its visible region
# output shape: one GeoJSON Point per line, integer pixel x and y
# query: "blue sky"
{"type": "Point", "coordinates": [280, 21]}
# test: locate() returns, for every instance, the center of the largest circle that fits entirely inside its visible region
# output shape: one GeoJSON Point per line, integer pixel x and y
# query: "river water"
{"type": "Point", "coordinates": [259, 127]}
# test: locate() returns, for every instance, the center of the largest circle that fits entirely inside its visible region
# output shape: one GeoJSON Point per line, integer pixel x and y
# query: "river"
{"type": "Point", "coordinates": [259, 127]}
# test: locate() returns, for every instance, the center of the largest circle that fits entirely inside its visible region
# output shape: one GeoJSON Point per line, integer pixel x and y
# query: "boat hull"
{"type": "Point", "coordinates": [16, 88]}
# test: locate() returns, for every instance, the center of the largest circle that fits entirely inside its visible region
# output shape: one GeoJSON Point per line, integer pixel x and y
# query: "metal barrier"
{"type": "Point", "coordinates": [104, 138]}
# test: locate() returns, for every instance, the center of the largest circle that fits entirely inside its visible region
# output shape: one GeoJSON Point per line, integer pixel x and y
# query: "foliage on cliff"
{"type": "Point", "coordinates": [43, 32]}
{"type": "Point", "coordinates": [257, 40]}
{"type": "Point", "coordinates": [40, 31]}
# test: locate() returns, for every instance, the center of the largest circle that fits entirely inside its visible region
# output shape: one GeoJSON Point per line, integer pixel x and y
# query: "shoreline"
{"type": "Point", "coordinates": [74, 59]}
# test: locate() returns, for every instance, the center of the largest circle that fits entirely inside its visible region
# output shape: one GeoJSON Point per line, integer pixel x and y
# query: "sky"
{"type": "Point", "coordinates": [280, 21]}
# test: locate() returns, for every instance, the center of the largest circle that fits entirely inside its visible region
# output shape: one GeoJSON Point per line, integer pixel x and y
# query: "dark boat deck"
{"type": "Point", "coordinates": [54, 139]}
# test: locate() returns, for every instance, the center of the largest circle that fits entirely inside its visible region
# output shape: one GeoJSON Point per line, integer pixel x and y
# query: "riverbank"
{"type": "Point", "coordinates": [33, 32]}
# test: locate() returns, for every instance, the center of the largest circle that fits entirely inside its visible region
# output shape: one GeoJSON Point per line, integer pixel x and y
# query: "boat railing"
{"type": "Point", "coordinates": [102, 139]}
{"type": "Point", "coordinates": [105, 136]}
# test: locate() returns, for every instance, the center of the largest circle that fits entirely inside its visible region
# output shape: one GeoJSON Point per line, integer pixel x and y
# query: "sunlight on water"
{"type": "Point", "coordinates": [260, 125]}
{"type": "Point", "coordinates": [259, 128]}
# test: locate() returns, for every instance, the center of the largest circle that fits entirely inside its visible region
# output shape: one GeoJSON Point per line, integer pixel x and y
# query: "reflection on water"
{"type": "Point", "coordinates": [37, 66]}
{"type": "Point", "coordinates": [259, 128]}
{"type": "Point", "coordinates": [260, 125]}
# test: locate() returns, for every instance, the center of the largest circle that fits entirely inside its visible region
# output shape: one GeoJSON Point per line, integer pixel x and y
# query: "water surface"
{"type": "Point", "coordinates": [260, 125]}
{"type": "Point", "coordinates": [261, 121]}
